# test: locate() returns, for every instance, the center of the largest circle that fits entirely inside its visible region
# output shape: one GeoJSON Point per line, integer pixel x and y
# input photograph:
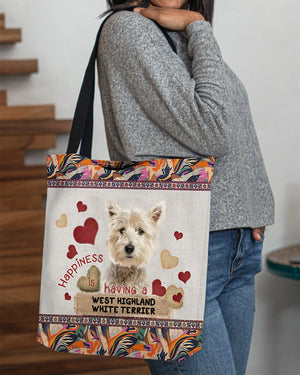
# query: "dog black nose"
{"type": "Point", "coordinates": [129, 249]}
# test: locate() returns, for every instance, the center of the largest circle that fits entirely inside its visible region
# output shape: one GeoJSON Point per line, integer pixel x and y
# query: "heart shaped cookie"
{"type": "Point", "coordinates": [62, 221]}
{"type": "Point", "coordinates": [174, 296]}
{"type": "Point", "coordinates": [90, 282]}
{"type": "Point", "coordinates": [167, 260]}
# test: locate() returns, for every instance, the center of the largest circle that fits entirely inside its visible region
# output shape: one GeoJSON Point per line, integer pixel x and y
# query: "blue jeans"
{"type": "Point", "coordinates": [234, 258]}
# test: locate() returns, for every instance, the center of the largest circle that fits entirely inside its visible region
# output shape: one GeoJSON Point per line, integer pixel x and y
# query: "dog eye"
{"type": "Point", "coordinates": [122, 230]}
{"type": "Point", "coordinates": [140, 231]}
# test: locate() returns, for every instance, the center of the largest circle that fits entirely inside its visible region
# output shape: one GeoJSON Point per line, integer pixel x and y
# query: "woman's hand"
{"type": "Point", "coordinates": [170, 18]}
{"type": "Point", "coordinates": [256, 233]}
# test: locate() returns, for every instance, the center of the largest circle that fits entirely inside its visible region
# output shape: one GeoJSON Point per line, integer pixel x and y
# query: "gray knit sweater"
{"type": "Point", "coordinates": [159, 104]}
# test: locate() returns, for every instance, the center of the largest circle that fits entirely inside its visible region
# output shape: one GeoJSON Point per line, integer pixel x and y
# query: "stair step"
{"type": "Point", "coordinates": [34, 359]}
{"type": "Point", "coordinates": [19, 203]}
{"type": "Point", "coordinates": [15, 160]}
{"type": "Point", "coordinates": [30, 361]}
{"type": "Point", "coordinates": [19, 249]}
{"type": "Point", "coordinates": [12, 341]}
{"type": "Point", "coordinates": [21, 326]}
{"type": "Point", "coordinates": [10, 143]}
{"type": "Point", "coordinates": [41, 360]}
{"type": "Point", "coordinates": [27, 220]}
{"type": "Point", "coordinates": [35, 126]}
{"type": "Point", "coordinates": [27, 112]}
{"type": "Point", "coordinates": [140, 369]}
{"type": "Point", "coordinates": [28, 66]}
{"type": "Point", "coordinates": [8, 312]}
{"type": "Point", "coordinates": [24, 173]}
{"type": "Point", "coordinates": [21, 265]}
{"type": "Point", "coordinates": [25, 294]}
{"type": "Point", "coordinates": [10, 280]}
{"type": "Point", "coordinates": [20, 241]}
{"type": "Point", "coordinates": [2, 21]}
{"type": "Point", "coordinates": [10, 36]}
{"type": "Point", "coordinates": [22, 188]}
{"type": "Point", "coordinates": [3, 99]}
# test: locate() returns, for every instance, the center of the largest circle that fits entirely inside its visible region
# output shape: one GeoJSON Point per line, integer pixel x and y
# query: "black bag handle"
{"type": "Point", "coordinates": [82, 125]}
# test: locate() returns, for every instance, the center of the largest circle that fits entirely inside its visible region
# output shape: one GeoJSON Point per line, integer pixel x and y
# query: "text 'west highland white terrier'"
{"type": "Point", "coordinates": [131, 243]}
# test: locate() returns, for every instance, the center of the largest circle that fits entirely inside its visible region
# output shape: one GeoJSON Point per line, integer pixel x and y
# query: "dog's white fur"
{"type": "Point", "coordinates": [131, 243]}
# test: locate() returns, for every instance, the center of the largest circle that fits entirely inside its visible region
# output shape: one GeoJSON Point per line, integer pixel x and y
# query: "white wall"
{"type": "Point", "coordinates": [260, 41]}
{"type": "Point", "coordinates": [60, 33]}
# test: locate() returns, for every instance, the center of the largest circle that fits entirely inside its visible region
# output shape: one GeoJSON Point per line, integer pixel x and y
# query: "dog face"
{"type": "Point", "coordinates": [133, 234]}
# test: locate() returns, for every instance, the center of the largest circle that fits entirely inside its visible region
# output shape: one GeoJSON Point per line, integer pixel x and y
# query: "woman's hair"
{"type": "Point", "coordinates": [205, 7]}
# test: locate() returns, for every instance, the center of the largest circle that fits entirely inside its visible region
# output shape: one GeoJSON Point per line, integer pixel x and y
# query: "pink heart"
{"type": "Point", "coordinates": [184, 276]}
{"type": "Point", "coordinates": [178, 235]}
{"type": "Point", "coordinates": [81, 207]}
{"type": "Point", "coordinates": [158, 289]}
{"type": "Point", "coordinates": [67, 297]}
{"type": "Point", "coordinates": [72, 252]}
{"type": "Point", "coordinates": [87, 232]}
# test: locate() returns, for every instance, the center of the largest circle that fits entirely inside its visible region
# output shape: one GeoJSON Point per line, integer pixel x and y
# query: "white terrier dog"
{"type": "Point", "coordinates": [132, 241]}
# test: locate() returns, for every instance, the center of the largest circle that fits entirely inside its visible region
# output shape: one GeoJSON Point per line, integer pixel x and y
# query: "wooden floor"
{"type": "Point", "coordinates": [21, 354]}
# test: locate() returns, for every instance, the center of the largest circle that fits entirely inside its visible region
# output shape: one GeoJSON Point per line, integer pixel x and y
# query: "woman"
{"type": "Point", "coordinates": [158, 104]}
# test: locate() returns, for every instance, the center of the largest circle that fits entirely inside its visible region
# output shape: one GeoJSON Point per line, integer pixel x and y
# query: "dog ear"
{"type": "Point", "coordinates": [112, 208]}
{"type": "Point", "coordinates": [158, 211]}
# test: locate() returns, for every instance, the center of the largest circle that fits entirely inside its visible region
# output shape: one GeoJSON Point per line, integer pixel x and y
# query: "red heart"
{"type": "Point", "coordinates": [87, 232]}
{"type": "Point", "coordinates": [72, 252]}
{"type": "Point", "coordinates": [177, 297]}
{"type": "Point", "coordinates": [67, 296]}
{"type": "Point", "coordinates": [81, 207]}
{"type": "Point", "coordinates": [184, 276]}
{"type": "Point", "coordinates": [158, 289]}
{"type": "Point", "coordinates": [178, 235]}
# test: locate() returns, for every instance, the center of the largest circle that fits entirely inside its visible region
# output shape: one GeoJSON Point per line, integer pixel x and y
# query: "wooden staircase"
{"type": "Point", "coordinates": [18, 66]}
{"type": "Point", "coordinates": [11, 36]}
{"type": "Point", "coordinates": [22, 215]}
{"type": "Point", "coordinates": [8, 36]}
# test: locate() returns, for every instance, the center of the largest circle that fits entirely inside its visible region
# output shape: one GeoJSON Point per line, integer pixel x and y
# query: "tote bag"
{"type": "Point", "coordinates": [125, 248]}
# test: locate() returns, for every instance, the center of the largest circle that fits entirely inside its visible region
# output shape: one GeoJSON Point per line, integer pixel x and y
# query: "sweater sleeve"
{"type": "Point", "coordinates": [190, 109]}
